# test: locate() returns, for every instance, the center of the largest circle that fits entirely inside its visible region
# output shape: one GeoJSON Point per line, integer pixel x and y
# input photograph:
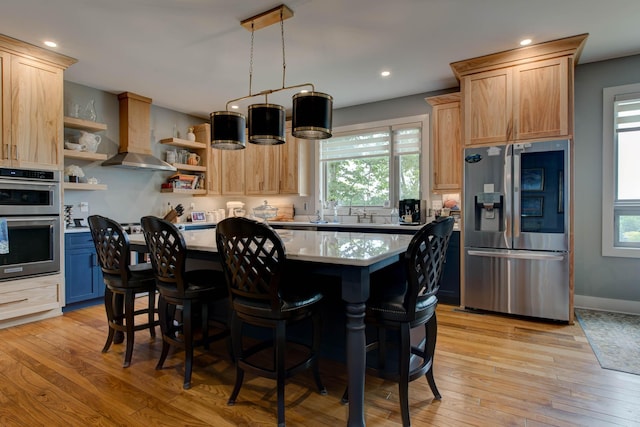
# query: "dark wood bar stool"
{"type": "Point", "coordinates": [185, 296]}
{"type": "Point", "coordinates": [123, 282]}
{"type": "Point", "coordinates": [254, 261]}
{"type": "Point", "coordinates": [401, 301]}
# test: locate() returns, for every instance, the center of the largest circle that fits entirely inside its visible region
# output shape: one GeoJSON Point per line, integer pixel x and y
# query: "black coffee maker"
{"type": "Point", "coordinates": [416, 208]}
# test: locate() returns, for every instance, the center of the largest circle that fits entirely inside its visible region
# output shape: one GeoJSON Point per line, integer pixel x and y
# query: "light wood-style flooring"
{"type": "Point", "coordinates": [491, 371]}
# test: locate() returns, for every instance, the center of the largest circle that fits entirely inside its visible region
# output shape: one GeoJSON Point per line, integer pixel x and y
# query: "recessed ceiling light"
{"type": "Point", "coordinates": [50, 43]}
{"type": "Point", "coordinates": [525, 42]}
{"type": "Point", "coordinates": [385, 73]}
{"type": "Point", "coordinates": [235, 107]}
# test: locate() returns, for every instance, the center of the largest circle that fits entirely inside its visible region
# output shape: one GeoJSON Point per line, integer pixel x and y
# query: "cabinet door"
{"type": "Point", "coordinates": [487, 107]}
{"type": "Point", "coordinates": [447, 151]}
{"type": "Point", "coordinates": [232, 175]}
{"type": "Point", "coordinates": [83, 276]}
{"type": "Point", "coordinates": [214, 172]}
{"type": "Point", "coordinates": [261, 169]}
{"type": "Point", "coordinates": [5, 110]}
{"type": "Point", "coordinates": [541, 99]}
{"type": "Point", "coordinates": [36, 119]}
{"type": "Point", "coordinates": [294, 166]}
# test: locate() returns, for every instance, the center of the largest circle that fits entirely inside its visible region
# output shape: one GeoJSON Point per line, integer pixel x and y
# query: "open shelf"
{"type": "Point", "coordinates": [183, 191]}
{"type": "Point", "coordinates": [84, 155]}
{"type": "Point", "coordinates": [75, 123]}
{"type": "Point", "coordinates": [82, 186]}
{"type": "Point", "coordinates": [193, 168]}
{"type": "Point", "coordinates": [177, 142]}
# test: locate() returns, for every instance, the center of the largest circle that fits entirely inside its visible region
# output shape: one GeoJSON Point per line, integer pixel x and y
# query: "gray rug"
{"type": "Point", "coordinates": [614, 338]}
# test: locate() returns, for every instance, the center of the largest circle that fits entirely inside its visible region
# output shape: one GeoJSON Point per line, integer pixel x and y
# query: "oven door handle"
{"type": "Point", "coordinates": [31, 218]}
{"type": "Point", "coordinates": [18, 182]}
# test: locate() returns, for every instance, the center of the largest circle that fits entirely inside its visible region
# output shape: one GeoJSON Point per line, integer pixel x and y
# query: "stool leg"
{"type": "Point", "coordinates": [118, 318]}
{"type": "Point", "coordinates": [403, 384]}
{"type": "Point", "coordinates": [280, 369]}
{"type": "Point", "coordinates": [165, 328]}
{"type": "Point", "coordinates": [129, 325]}
{"type": "Point", "coordinates": [108, 306]}
{"type": "Point", "coordinates": [315, 348]}
{"type": "Point", "coordinates": [236, 342]}
{"type": "Point", "coordinates": [187, 322]}
{"type": "Point", "coordinates": [152, 311]}
{"type": "Point", "coordinates": [431, 331]}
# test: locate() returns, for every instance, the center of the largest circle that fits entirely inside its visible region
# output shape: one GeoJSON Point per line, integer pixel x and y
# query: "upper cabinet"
{"type": "Point", "coordinates": [261, 169]}
{"type": "Point", "coordinates": [31, 105]}
{"type": "Point", "coordinates": [519, 95]}
{"type": "Point", "coordinates": [294, 165]}
{"type": "Point", "coordinates": [447, 148]}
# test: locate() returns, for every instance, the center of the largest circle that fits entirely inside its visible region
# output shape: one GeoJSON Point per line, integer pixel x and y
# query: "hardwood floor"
{"type": "Point", "coordinates": [491, 371]}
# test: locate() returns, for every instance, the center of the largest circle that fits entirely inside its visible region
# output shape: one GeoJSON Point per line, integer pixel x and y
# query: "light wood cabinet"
{"type": "Point", "coordinates": [232, 172]}
{"type": "Point", "coordinates": [5, 110]}
{"type": "Point", "coordinates": [519, 103]}
{"type": "Point", "coordinates": [262, 169]}
{"type": "Point", "coordinates": [294, 166]}
{"type": "Point", "coordinates": [32, 105]}
{"type": "Point", "coordinates": [446, 142]}
{"type": "Point", "coordinates": [519, 95]}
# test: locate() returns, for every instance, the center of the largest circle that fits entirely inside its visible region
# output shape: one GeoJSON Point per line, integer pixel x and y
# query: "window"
{"type": "Point", "coordinates": [621, 151]}
{"type": "Point", "coordinates": [373, 163]}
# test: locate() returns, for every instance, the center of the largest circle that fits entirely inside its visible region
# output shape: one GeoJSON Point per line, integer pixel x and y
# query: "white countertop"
{"type": "Point", "coordinates": [335, 247]}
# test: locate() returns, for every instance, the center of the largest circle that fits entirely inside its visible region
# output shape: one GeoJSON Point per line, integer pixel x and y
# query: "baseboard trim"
{"type": "Point", "coordinates": [606, 304]}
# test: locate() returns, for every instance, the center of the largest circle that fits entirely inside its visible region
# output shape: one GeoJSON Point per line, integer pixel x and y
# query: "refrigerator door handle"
{"type": "Point", "coordinates": [506, 179]}
{"type": "Point", "coordinates": [516, 194]}
{"type": "Point", "coordinates": [539, 256]}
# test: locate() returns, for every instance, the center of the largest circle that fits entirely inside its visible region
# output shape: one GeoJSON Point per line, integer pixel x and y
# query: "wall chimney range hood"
{"type": "Point", "coordinates": [135, 136]}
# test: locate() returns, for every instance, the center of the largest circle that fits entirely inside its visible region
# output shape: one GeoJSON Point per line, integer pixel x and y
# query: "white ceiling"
{"type": "Point", "coordinates": [193, 56]}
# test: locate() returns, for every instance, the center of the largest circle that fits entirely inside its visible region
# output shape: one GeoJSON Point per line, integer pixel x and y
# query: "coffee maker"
{"type": "Point", "coordinates": [415, 208]}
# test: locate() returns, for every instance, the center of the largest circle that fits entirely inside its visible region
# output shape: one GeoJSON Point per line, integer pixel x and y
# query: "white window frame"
{"type": "Point", "coordinates": [609, 173]}
{"type": "Point", "coordinates": [363, 127]}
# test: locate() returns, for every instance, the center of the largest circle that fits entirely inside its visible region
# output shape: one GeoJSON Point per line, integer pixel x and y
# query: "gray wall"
{"type": "Point", "coordinates": [595, 275]}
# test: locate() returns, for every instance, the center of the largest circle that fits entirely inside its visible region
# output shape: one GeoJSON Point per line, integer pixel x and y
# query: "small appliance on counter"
{"type": "Point", "coordinates": [412, 211]}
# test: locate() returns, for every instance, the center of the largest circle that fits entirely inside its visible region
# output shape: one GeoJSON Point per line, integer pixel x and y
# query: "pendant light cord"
{"type": "Point", "coordinates": [251, 60]}
{"type": "Point", "coordinates": [284, 65]}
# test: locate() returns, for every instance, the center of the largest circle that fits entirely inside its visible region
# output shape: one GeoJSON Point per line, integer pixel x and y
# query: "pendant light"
{"type": "Point", "coordinates": [312, 111]}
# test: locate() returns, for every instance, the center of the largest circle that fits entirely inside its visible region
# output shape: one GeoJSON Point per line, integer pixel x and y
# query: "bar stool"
{"type": "Point", "coordinates": [185, 296]}
{"type": "Point", "coordinates": [123, 282]}
{"type": "Point", "coordinates": [403, 300]}
{"type": "Point", "coordinates": [254, 262]}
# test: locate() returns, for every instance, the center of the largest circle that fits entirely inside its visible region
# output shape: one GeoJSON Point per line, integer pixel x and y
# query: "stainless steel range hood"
{"type": "Point", "coordinates": [135, 136]}
{"type": "Point", "coordinates": [138, 161]}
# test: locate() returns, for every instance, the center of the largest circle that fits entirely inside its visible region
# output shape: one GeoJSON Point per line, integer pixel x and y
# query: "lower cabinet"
{"type": "Point", "coordinates": [449, 292]}
{"type": "Point", "coordinates": [83, 276]}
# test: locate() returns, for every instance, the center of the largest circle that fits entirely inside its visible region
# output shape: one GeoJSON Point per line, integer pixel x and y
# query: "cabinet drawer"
{"type": "Point", "coordinates": [14, 303]}
{"type": "Point", "coordinates": [78, 240]}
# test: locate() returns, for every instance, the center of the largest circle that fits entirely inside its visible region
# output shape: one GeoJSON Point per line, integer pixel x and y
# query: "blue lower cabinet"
{"type": "Point", "coordinates": [83, 276]}
{"type": "Point", "coordinates": [449, 292]}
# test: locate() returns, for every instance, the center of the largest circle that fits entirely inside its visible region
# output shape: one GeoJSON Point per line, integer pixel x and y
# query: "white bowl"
{"type": "Point", "coordinates": [72, 146]}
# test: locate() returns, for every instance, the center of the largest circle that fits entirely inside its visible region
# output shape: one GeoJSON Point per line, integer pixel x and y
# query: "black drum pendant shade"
{"type": "Point", "coordinates": [267, 124]}
{"type": "Point", "coordinates": [312, 115]}
{"type": "Point", "coordinates": [228, 130]}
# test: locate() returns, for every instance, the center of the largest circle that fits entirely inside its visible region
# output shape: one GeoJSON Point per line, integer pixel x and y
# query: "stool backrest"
{"type": "Point", "coordinates": [424, 261]}
{"type": "Point", "coordinates": [253, 258]}
{"type": "Point", "coordinates": [112, 246]}
{"type": "Point", "coordinates": [167, 250]}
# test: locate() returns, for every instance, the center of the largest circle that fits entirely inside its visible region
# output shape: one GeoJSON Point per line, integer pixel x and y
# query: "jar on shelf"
{"type": "Point", "coordinates": [190, 135]}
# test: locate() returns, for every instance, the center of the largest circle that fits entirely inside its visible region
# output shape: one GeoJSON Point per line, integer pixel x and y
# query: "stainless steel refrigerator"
{"type": "Point", "coordinates": [516, 229]}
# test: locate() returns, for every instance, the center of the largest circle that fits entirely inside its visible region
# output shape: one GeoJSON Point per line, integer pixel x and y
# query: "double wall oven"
{"type": "Point", "coordinates": [30, 209]}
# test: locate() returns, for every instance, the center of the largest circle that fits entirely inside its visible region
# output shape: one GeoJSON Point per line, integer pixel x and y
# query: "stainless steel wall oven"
{"type": "Point", "coordinates": [30, 207]}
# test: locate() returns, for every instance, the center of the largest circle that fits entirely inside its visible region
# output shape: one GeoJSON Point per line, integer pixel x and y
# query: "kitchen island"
{"type": "Point", "coordinates": [351, 256]}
